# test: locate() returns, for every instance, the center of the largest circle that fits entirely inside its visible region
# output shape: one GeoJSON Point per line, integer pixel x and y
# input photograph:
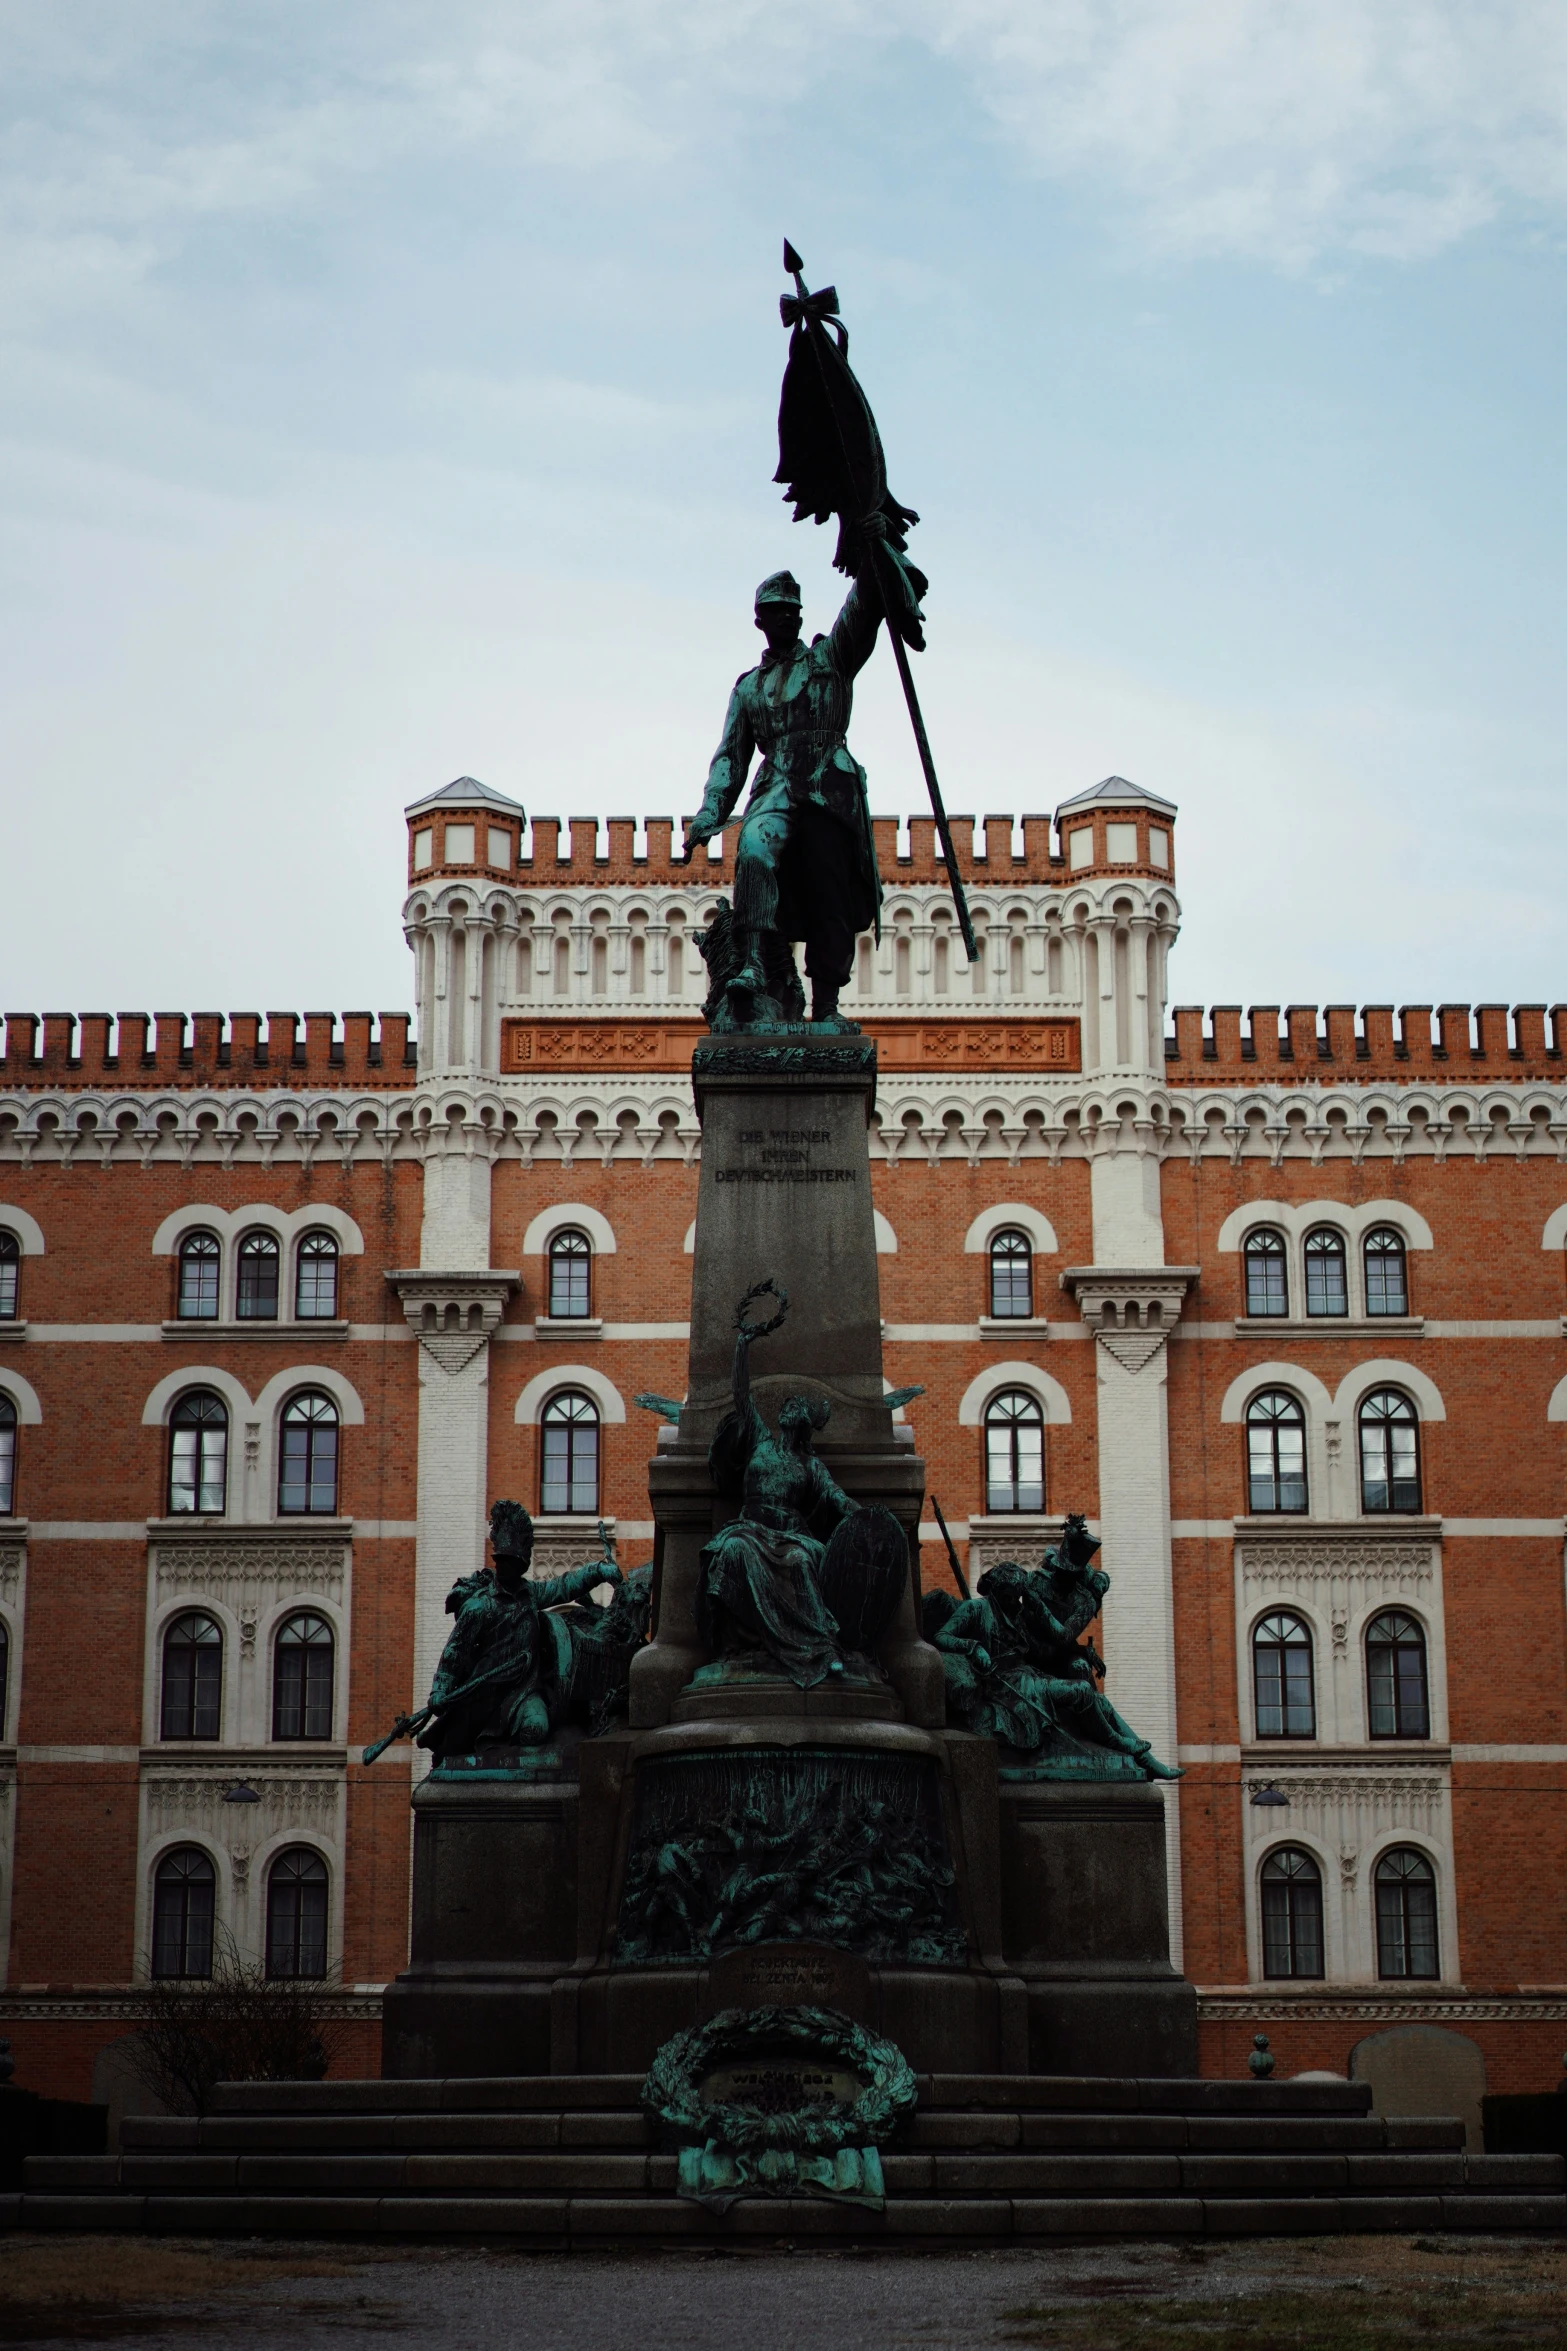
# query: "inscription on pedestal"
{"type": "Point", "coordinates": [783, 1155]}
{"type": "Point", "coordinates": [790, 1975]}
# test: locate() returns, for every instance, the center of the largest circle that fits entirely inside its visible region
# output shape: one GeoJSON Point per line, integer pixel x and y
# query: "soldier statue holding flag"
{"type": "Point", "coordinates": [805, 859]}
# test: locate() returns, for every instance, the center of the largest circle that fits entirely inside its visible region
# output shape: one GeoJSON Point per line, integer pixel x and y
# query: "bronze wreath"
{"type": "Point", "coordinates": [760, 1330]}
{"type": "Point", "coordinates": [672, 2092]}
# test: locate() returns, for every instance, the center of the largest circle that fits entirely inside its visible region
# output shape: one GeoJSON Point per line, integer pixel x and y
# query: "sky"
{"type": "Point", "coordinates": [387, 393]}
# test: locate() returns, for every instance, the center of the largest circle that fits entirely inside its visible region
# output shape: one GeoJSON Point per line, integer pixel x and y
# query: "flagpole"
{"type": "Point", "coordinates": [879, 558]}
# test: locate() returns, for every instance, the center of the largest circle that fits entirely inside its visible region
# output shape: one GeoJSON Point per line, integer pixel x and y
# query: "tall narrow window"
{"type": "Point", "coordinates": [296, 1914]}
{"type": "Point", "coordinates": [302, 1657]}
{"type": "Point", "coordinates": [1281, 1679]}
{"type": "Point", "coordinates": [1406, 1914]}
{"type": "Point", "coordinates": [1267, 1283]}
{"type": "Point", "coordinates": [7, 1457]}
{"type": "Point", "coordinates": [1014, 1452]}
{"type": "Point", "coordinates": [192, 1678]}
{"type": "Point", "coordinates": [571, 1274]}
{"type": "Point", "coordinates": [1275, 1453]}
{"type": "Point", "coordinates": [1389, 1453]}
{"type": "Point", "coordinates": [1011, 1275]}
{"type": "Point", "coordinates": [5, 1676]}
{"type": "Point", "coordinates": [183, 1897]}
{"type": "Point", "coordinates": [570, 1471]}
{"type": "Point", "coordinates": [1291, 1914]}
{"type": "Point", "coordinates": [1327, 1285]}
{"type": "Point", "coordinates": [307, 1456]}
{"type": "Point", "coordinates": [1387, 1273]}
{"type": "Point", "coordinates": [258, 1278]}
{"type": "Point", "coordinates": [201, 1262]}
{"type": "Point", "coordinates": [315, 1279]}
{"type": "Point", "coordinates": [1399, 1705]}
{"type": "Point", "coordinates": [198, 1454]}
{"type": "Point", "coordinates": [10, 1276]}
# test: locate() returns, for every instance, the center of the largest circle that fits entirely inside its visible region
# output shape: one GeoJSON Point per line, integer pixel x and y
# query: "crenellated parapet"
{"type": "Point", "coordinates": [1308, 1046]}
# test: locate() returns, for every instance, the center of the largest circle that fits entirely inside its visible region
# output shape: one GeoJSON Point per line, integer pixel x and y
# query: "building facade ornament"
{"type": "Point", "coordinates": [453, 1314]}
{"type": "Point", "coordinates": [1131, 1310]}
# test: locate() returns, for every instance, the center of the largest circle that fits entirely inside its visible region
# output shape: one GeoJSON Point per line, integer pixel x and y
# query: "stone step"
{"type": "Point", "coordinates": [1102, 2094]}
{"type": "Point", "coordinates": [463, 2094]}
{"type": "Point", "coordinates": [564, 2222]}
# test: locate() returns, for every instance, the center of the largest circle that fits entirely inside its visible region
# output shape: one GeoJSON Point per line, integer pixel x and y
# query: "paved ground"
{"type": "Point", "coordinates": [1312, 2294]}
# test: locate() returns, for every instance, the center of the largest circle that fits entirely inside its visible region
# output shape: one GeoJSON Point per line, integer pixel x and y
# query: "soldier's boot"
{"type": "Point", "coordinates": [824, 1000]}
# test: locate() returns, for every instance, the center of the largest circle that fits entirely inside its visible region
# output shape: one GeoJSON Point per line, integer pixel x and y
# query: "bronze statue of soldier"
{"type": "Point", "coordinates": [805, 860]}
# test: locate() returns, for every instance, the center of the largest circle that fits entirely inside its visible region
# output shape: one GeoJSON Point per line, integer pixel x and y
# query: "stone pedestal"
{"type": "Point", "coordinates": [1085, 1926]}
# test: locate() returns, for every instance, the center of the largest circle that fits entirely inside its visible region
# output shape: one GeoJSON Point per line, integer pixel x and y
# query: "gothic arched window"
{"type": "Point", "coordinates": [1327, 1272]}
{"type": "Point", "coordinates": [569, 1468]}
{"type": "Point", "coordinates": [1282, 1679]}
{"type": "Point", "coordinates": [1405, 1886]}
{"type": "Point", "coordinates": [201, 1266]}
{"type": "Point", "coordinates": [571, 1275]}
{"type": "Point", "coordinates": [1267, 1279]}
{"type": "Point", "coordinates": [1275, 1453]}
{"type": "Point", "coordinates": [1014, 1452]}
{"type": "Point", "coordinates": [1291, 1914]}
{"type": "Point", "coordinates": [192, 1703]}
{"type": "Point", "coordinates": [296, 1914]}
{"type": "Point", "coordinates": [315, 1279]}
{"type": "Point", "coordinates": [1389, 1453]}
{"type": "Point", "coordinates": [302, 1662]}
{"type": "Point", "coordinates": [183, 1899]}
{"type": "Point", "coordinates": [198, 1454]}
{"type": "Point", "coordinates": [1398, 1700]}
{"type": "Point", "coordinates": [307, 1456]}
{"type": "Point", "coordinates": [1011, 1276]}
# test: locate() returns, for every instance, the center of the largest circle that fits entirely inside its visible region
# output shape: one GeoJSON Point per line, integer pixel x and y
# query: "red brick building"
{"type": "Point", "coordinates": [284, 1303]}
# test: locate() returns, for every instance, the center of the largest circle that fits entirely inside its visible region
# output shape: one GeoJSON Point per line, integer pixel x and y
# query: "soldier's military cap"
{"type": "Point", "coordinates": [779, 587]}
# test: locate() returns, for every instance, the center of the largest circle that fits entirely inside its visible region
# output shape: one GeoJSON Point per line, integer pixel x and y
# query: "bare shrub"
{"type": "Point", "coordinates": [238, 2025]}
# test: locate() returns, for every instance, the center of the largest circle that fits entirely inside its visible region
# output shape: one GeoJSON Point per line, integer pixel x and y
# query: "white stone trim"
{"type": "Point", "coordinates": [1346, 1817]}
{"type": "Point", "coordinates": [1553, 1237]}
{"type": "Point", "coordinates": [1557, 1407]}
{"type": "Point", "coordinates": [1299, 1217]}
{"type": "Point", "coordinates": [160, 1401]}
{"type": "Point", "coordinates": [549, 1221]}
{"type": "Point", "coordinates": [1313, 1395]}
{"type": "Point", "coordinates": [688, 1245]}
{"type": "Point", "coordinates": [886, 1238]}
{"type": "Point", "coordinates": [545, 1384]}
{"type": "Point", "coordinates": [286, 1223]}
{"type": "Point", "coordinates": [1041, 1232]}
{"type": "Point", "coordinates": [1053, 1398]}
{"type": "Point", "coordinates": [23, 1395]}
{"type": "Point", "coordinates": [1386, 1371]}
{"type": "Point", "coordinates": [1336, 1581]}
{"type": "Point", "coordinates": [283, 1384]}
{"type": "Point", "coordinates": [28, 1231]}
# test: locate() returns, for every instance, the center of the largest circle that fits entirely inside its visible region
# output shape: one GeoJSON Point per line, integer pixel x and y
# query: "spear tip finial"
{"type": "Point", "coordinates": [792, 261]}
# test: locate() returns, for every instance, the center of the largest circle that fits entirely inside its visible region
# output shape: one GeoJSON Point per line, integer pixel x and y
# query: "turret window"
{"type": "Point", "coordinates": [569, 1471]}
{"type": "Point", "coordinates": [201, 1265]}
{"type": "Point", "coordinates": [571, 1275]}
{"type": "Point", "coordinates": [1387, 1272]}
{"type": "Point", "coordinates": [259, 1257]}
{"type": "Point", "coordinates": [198, 1454]}
{"type": "Point", "coordinates": [1291, 1914]}
{"type": "Point", "coordinates": [1011, 1276]}
{"type": "Point", "coordinates": [1281, 1678]}
{"type": "Point", "coordinates": [1275, 1453]}
{"type": "Point", "coordinates": [1014, 1452]}
{"type": "Point", "coordinates": [1398, 1700]}
{"type": "Point", "coordinates": [1327, 1285]}
{"type": "Point", "coordinates": [1267, 1280]}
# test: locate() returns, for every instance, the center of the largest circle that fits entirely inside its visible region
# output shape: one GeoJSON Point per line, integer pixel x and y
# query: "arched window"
{"type": "Point", "coordinates": [192, 1678]}
{"type": "Point", "coordinates": [5, 1676]}
{"type": "Point", "coordinates": [1389, 1453]}
{"type": "Point", "coordinates": [1327, 1279]}
{"type": "Point", "coordinates": [183, 1897]}
{"type": "Point", "coordinates": [1267, 1283]}
{"type": "Point", "coordinates": [259, 1258]}
{"type": "Point", "coordinates": [1291, 1914]}
{"type": "Point", "coordinates": [1275, 1453]}
{"type": "Point", "coordinates": [1387, 1273]}
{"type": "Point", "coordinates": [1014, 1452]}
{"type": "Point", "coordinates": [302, 1657]}
{"type": "Point", "coordinates": [201, 1263]}
{"type": "Point", "coordinates": [307, 1456]}
{"type": "Point", "coordinates": [1406, 1914]}
{"type": "Point", "coordinates": [1399, 1702]}
{"type": "Point", "coordinates": [7, 1457]}
{"type": "Point", "coordinates": [296, 1914]}
{"type": "Point", "coordinates": [1281, 1678]}
{"type": "Point", "coordinates": [569, 1477]}
{"type": "Point", "coordinates": [315, 1279]}
{"type": "Point", "coordinates": [571, 1274]}
{"type": "Point", "coordinates": [10, 1276]}
{"type": "Point", "coordinates": [198, 1454]}
{"type": "Point", "coordinates": [1011, 1276]}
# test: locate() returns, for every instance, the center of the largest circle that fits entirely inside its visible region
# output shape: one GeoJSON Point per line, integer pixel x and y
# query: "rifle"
{"type": "Point", "coordinates": [962, 1579]}
{"type": "Point", "coordinates": [399, 1730]}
